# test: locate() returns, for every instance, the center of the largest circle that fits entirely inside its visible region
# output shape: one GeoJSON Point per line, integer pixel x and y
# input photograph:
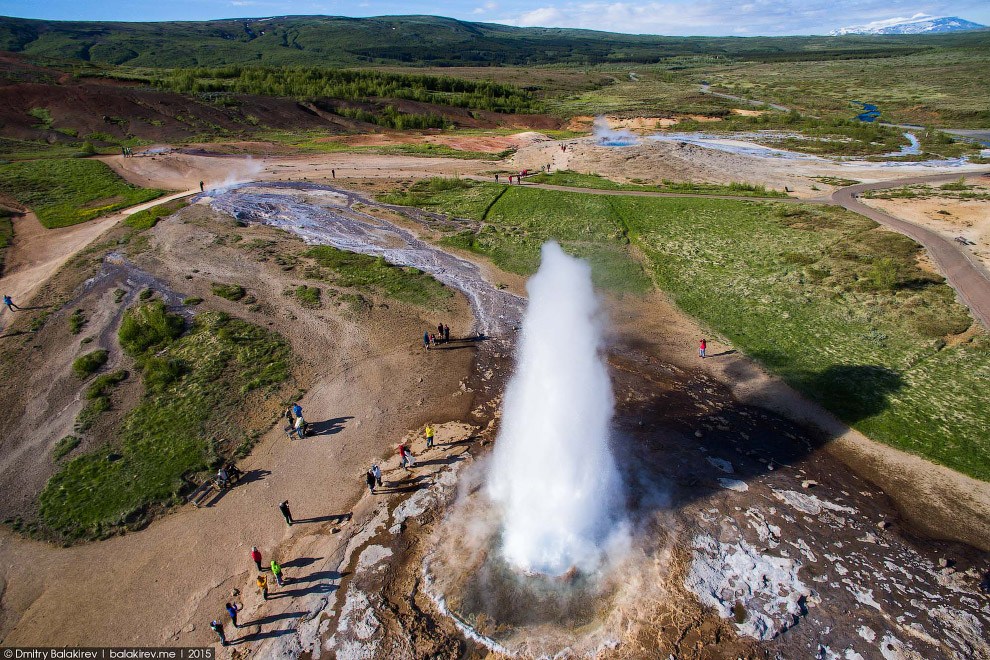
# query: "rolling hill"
{"type": "Point", "coordinates": [412, 40]}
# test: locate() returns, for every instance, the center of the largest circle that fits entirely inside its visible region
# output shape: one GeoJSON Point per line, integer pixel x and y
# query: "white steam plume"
{"type": "Point", "coordinates": [553, 473]}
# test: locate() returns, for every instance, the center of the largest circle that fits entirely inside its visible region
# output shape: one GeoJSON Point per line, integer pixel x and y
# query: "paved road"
{"type": "Point", "coordinates": [970, 280]}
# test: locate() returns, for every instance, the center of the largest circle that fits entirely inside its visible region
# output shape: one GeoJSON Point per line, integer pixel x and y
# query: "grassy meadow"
{"type": "Point", "coordinates": [196, 381]}
{"type": "Point", "coordinates": [825, 298]}
{"type": "Point", "coordinates": [64, 192]}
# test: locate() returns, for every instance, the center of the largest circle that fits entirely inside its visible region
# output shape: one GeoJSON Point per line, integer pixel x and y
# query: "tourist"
{"type": "Point", "coordinates": [440, 331]}
{"type": "Point", "coordinates": [300, 427]}
{"type": "Point", "coordinates": [433, 339]}
{"type": "Point", "coordinates": [370, 478]}
{"type": "Point", "coordinates": [702, 347]}
{"type": "Point", "coordinates": [297, 409]}
{"type": "Point", "coordinates": [218, 629]}
{"type": "Point", "coordinates": [426, 336]}
{"type": "Point", "coordinates": [256, 557]}
{"type": "Point", "coordinates": [429, 436]}
{"type": "Point", "coordinates": [405, 457]}
{"type": "Point", "coordinates": [446, 333]}
{"type": "Point", "coordinates": [232, 610]}
{"type": "Point", "coordinates": [263, 586]}
{"type": "Point", "coordinates": [284, 508]}
{"type": "Point", "coordinates": [333, 173]}
{"type": "Point", "coordinates": [377, 471]}
{"type": "Point", "coordinates": [496, 177]}
{"type": "Point", "coordinates": [8, 301]}
{"type": "Point", "coordinates": [201, 188]}
{"type": "Point", "coordinates": [277, 572]}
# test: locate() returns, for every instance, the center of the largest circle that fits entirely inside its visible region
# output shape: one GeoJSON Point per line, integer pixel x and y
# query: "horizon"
{"type": "Point", "coordinates": [673, 18]}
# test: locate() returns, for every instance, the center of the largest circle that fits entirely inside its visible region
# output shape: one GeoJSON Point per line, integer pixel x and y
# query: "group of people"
{"type": "Point", "coordinates": [441, 336]}
{"type": "Point", "coordinates": [233, 608]}
{"type": "Point", "coordinates": [227, 475]}
{"type": "Point", "coordinates": [297, 425]}
{"type": "Point", "coordinates": [126, 152]}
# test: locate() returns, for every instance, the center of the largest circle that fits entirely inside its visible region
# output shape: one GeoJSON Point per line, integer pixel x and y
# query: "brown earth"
{"type": "Point", "coordinates": [180, 570]}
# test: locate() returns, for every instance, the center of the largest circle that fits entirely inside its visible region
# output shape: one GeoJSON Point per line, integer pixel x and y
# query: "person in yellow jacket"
{"type": "Point", "coordinates": [263, 586]}
{"type": "Point", "coordinates": [429, 436]}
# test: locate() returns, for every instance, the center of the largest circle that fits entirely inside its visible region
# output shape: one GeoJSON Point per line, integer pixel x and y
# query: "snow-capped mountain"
{"type": "Point", "coordinates": [917, 24]}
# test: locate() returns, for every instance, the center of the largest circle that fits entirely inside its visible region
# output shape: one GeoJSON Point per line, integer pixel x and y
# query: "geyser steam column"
{"type": "Point", "coordinates": [553, 474]}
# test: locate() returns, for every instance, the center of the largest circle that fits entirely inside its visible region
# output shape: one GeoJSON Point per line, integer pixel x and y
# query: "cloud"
{"type": "Point", "coordinates": [767, 17]}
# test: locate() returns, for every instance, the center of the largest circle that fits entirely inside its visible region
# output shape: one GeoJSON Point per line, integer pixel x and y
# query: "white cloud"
{"type": "Point", "coordinates": [686, 17]}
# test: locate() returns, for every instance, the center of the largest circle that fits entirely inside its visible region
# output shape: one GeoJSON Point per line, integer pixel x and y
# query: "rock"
{"type": "Point", "coordinates": [883, 524]}
{"type": "Point", "coordinates": [191, 627]}
{"type": "Point", "coordinates": [943, 562]}
{"type": "Point", "coordinates": [770, 467]}
{"type": "Point", "coordinates": [698, 434]}
{"type": "Point", "coordinates": [809, 483]}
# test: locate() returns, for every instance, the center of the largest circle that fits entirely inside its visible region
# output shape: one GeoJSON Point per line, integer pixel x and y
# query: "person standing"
{"type": "Point", "coordinates": [284, 508]}
{"type": "Point", "coordinates": [405, 457]}
{"type": "Point", "coordinates": [256, 556]}
{"type": "Point", "coordinates": [333, 173]}
{"type": "Point", "coordinates": [496, 177]}
{"type": "Point", "coordinates": [377, 471]}
{"type": "Point", "coordinates": [428, 431]}
{"type": "Point", "coordinates": [426, 336]}
{"type": "Point", "coordinates": [297, 409]}
{"type": "Point", "coordinates": [702, 347]}
{"type": "Point", "coordinates": [263, 586]}
{"type": "Point", "coordinates": [446, 333]}
{"type": "Point", "coordinates": [201, 188]}
{"type": "Point", "coordinates": [277, 572]}
{"type": "Point", "coordinates": [9, 302]}
{"type": "Point", "coordinates": [232, 610]}
{"type": "Point", "coordinates": [370, 478]}
{"type": "Point", "coordinates": [300, 426]}
{"type": "Point", "coordinates": [218, 629]}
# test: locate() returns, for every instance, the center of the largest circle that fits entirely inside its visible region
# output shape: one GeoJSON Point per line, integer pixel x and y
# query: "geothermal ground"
{"type": "Point", "coordinates": [749, 535]}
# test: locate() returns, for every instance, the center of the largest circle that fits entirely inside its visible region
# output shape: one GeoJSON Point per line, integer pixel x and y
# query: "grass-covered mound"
{"type": "Point", "coordinates": [67, 191]}
{"type": "Point", "coordinates": [197, 383]}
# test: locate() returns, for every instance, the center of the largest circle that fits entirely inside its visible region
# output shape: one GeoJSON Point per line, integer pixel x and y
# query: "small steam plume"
{"type": "Point", "coordinates": [610, 137]}
{"type": "Point", "coordinates": [553, 474]}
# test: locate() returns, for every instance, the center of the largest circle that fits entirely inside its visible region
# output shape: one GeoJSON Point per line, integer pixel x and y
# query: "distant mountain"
{"type": "Point", "coordinates": [917, 24]}
{"type": "Point", "coordinates": [414, 41]}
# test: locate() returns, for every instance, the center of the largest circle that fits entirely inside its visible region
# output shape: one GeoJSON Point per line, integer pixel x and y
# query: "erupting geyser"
{"type": "Point", "coordinates": [553, 474]}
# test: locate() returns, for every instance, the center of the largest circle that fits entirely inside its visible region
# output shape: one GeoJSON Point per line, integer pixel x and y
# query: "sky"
{"type": "Point", "coordinates": [667, 17]}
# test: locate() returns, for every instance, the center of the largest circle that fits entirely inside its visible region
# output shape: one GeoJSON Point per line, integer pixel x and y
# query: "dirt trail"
{"type": "Point", "coordinates": [36, 253]}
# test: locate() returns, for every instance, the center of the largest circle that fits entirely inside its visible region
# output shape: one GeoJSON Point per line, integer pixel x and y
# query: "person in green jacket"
{"type": "Point", "coordinates": [277, 572]}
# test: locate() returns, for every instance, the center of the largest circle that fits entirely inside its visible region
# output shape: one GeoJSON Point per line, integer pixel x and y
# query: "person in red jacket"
{"type": "Point", "coordinates": [256, 556]}
{"type": "Point", "coordinates": [702, 347]}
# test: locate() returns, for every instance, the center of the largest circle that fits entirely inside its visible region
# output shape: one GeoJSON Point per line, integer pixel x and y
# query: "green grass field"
{"type": "Point", "coordinates": [195, 384]}
{"type": "Point", "coordinates": [371, 275]}
{"type": "Point", "coordinates": [821, 296]}
{"type": "Point", "coordinates": [576, 180]}
{"type": "Point", "coordinates": [64, 192]}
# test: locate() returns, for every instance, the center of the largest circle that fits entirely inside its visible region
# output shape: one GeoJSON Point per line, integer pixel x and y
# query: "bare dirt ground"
{"type": "Point", "coordinates": [357, 586]}
{"type": "Point", "coordinates": [949, 217]}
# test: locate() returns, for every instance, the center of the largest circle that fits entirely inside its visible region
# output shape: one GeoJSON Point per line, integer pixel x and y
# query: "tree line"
{"type": "Point", "coordinates": [314, 83]}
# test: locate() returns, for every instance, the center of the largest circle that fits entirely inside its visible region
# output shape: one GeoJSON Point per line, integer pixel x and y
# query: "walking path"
{"type": "Point", "coordinates": [970, 280]}
{"type": "Point", "coordinates": [36, 253]}
{"type": "Point", "coordinates": [650, 193]}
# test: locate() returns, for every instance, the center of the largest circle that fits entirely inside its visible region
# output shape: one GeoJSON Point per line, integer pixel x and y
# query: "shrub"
{"type": "Point", "coordinates": [229, 291]}
{"type": "Point", "coordinates": [64, 446]}
{"type": "Point", "coordinates": [191, 300]}
{"type": "Point", "coordinates": [76, 322]}
{"type": "Point", "coordinates": [104, 383]}
{"type": "Point", "coordinates": [159, 373]}
{"type": "Point", "coordinates": [148, 327]}
{"type": "Point", "coordinates": [89, 363]}
{"type": "Point", "coordinates": [308, 296]}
